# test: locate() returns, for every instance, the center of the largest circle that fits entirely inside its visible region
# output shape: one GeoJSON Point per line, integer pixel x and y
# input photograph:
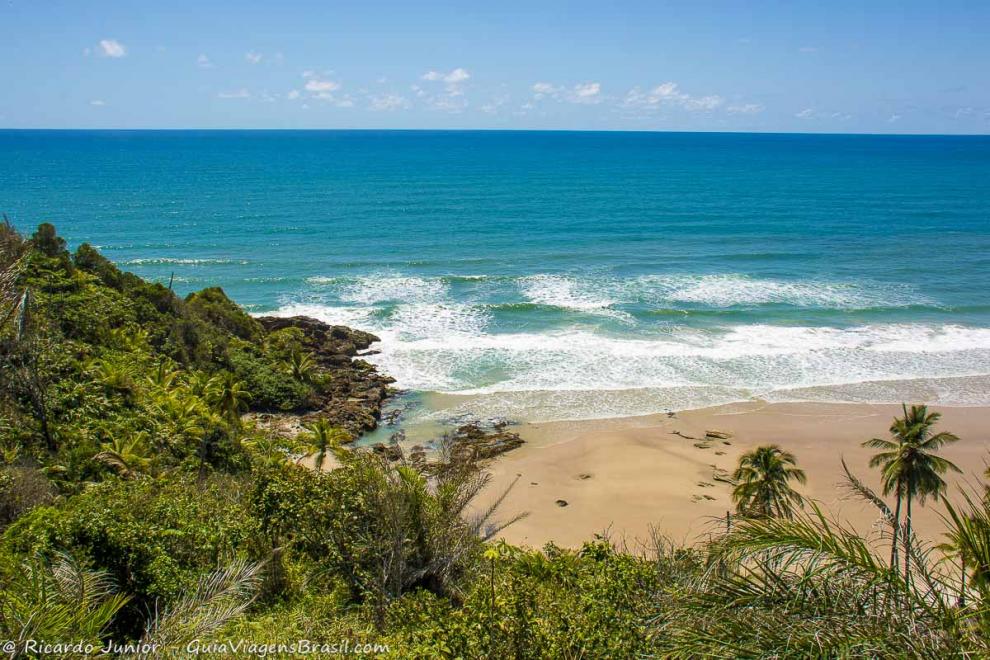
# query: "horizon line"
{"type": "Point", "coordinates": [485, 130]}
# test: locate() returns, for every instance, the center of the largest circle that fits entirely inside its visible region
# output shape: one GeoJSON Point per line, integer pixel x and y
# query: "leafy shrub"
{"type": "Point", "coordinates": [213, 306]}
{"type": "Point", "coordinates": [528, 604]}
{"type": "Point", "coordinates": [154, 537]}
{"type": "Point", "coordinates": [271, 388]}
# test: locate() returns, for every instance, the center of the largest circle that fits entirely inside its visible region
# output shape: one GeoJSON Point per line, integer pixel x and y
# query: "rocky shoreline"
{"type": "Point", "coordinates": [357, 391]}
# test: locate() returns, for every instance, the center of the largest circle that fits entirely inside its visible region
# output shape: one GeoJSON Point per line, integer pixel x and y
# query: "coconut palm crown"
{"type": "Point", "coordinates": [909, 465]}
{"type": "Point", "coordinates": [763, 487]}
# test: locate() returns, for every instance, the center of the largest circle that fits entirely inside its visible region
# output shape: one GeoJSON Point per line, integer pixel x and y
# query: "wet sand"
{"type": "Point", "coordinates": [624, 475]}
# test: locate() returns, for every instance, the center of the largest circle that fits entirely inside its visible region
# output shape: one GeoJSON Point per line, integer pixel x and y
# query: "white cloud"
{"type": "Point", "coordinates": [252, 57]}
{"type": "Point", "coordinates": [112, 48]}
{"type": "Point", "coordinates": [703, 103]}
{"type": "Point", "coordinates": [893, 118]}
{"type": "Point", "coordinates": [744, 109]}
{"type": "Point", "coordinates": [586, 92]}
{"type": "Point", "coordinates": [384, 102]}
{"type": "Point", "coordinates": [454, 77]}
{"type": "Point", "coordinates": [492, 107]}
{"type": "Point", "coordinates": [204, 62]}
{"type": "Point", "coordinates": [293, 95]}
{"type": "Point", "coordinates": [318, 86]}
{"type": "Point", "coordinates": [234, 94]}
{"type": "Point", "coordinates": [542, 89]}
{"type": "Point", "coordinates": [670, 94]}
{"type": "Point", "coordinates": [457, 76]}
{"type": "Point", "coordinates": [98, 102]}
{"type": "Point", "coordinates": [451, 98]}
{"type": "Point", "coordinates": [805, 114]}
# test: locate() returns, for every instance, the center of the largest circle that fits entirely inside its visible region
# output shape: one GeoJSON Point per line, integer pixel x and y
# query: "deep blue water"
{"type": "Point", "coordinates": [542, 268]}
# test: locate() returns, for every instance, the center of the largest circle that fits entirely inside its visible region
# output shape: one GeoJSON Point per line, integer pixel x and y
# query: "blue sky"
{"type": "Point", "coordinates": [876, 66]}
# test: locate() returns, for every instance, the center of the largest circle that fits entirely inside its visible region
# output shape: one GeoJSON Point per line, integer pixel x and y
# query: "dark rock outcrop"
{"type": "Point", "coordinates": [473, 442]}
{"type": "Point", "coordinates": [356, 391]}
{"type": "Point", "coordinates": [391, 452]}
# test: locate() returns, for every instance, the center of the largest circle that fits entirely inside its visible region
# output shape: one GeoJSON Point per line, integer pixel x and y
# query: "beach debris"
{"type": "Point", "coordinates": [683, 435]}
{"type": "Point", "coordinates": [705, 484]}
{"type": "Point", "coordinates": [720, 453]}
{"type": "Point", "coordinates": [709, 498]}
{"type": "Point", "coordinates": [718, 435]}
{"type": "Point", "coordinates": [534, 483]}
{"type": "Point", "coordinates": [583, 476]}
{"type": "Point", "coordinates": [703, 445]}
{"type": "Point", "coordinates": [561, 503]}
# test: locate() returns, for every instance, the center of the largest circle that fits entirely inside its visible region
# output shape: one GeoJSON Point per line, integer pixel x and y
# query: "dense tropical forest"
{"type": "Point", "coordinates": [143, 504]}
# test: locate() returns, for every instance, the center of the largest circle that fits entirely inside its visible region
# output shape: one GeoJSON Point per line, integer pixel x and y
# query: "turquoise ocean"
{"type": "Point", "coordinates": [561, 275]}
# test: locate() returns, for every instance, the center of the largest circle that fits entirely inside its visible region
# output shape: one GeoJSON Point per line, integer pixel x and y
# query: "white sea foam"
{"type": "Point", "coordinates": [389, 288]}
{"type": "Point", "coordinates": [753, 359]}
{"type": "Point", "coordinates": [354, 317]}
{"type": "Point", "coordinates": [432, 341]}
{"type": "Point", "coordinates": [560, 291]}
{"type": "Point", "coordinates": [602, 294]}
{"type": "Point", "coordinates": [729, 290]}
{"type": "Point", "coordinates": [419, 321]}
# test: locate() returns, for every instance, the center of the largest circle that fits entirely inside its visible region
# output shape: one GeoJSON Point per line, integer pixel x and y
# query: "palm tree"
{"type": "Point", "coordinates": [324, 438]}
{"type": "Point", "coordinates": [969, 538]}
{"type": "Point", "coordinates": [127, 457]}
{"type": "Point", "coordinates": [231, 398]}
{"type": "Point", "coordinates": [302, 366]}
{"type": "Point", "coordinates": [762, 483]}
{"type": "Point", "coordinates": [57, 599]}
{"type": "Point", "coordinates": [164, 375]}
{"type": "Point", "coordinates": [955, 547]}
{"type": "Point", "coordinates": [910, 467]}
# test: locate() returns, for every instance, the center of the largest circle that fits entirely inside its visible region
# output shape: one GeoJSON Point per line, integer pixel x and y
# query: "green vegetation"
{"type": "Point", "coordinates": [138, 504]}
{"type": "Point", "coordinates": [762, 483]}
{"type": "Point", "coordinates": [911, 468]}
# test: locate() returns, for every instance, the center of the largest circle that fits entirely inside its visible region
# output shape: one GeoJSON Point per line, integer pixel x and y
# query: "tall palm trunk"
{"type": "Point", "coordinates": [897, 529]}
{"type": "Point", "coordinates": [907, 534]}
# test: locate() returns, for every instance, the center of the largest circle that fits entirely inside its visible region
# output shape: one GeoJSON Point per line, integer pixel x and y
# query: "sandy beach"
{"type": "Point", "coordinates": [624, 475]}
